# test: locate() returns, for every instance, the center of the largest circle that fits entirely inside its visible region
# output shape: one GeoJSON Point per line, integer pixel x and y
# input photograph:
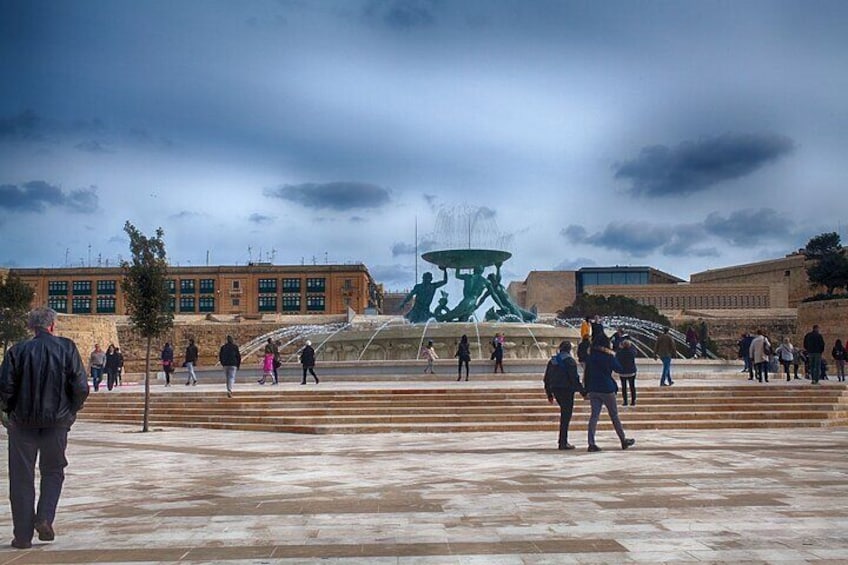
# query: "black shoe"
{"type": "Point", "coordinates": [188, 383]}
{"type": "Point", "coordinates": [316, 380]}
{"type": "Point", "coordinates": [628, 442]}
{"type": "Point", "coordinates": [624, 404]}
{"type": "Point", "coordinates": [459, 378]}
{"type": "Point", "coordinates": [594, 449]}
{"type": "Point", "coordinates": [670, 382]}
{"type": "Point", "coordinates": [750, 378]}
{"type": "Point", "coordinates": [566, 446]}
{"type": "Point", "coordinates": [21, 544]}
{"type": "Point", "coordinates": [45, 531]}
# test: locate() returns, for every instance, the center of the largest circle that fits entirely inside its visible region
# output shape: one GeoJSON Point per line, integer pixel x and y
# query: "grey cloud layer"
{"type": "Point", "coordinates": [37, 196]}
{"type": "Point", "coordinates": [339, 196]}
{"type": "Point", "coordinates": [694, 166]}
{"type": "Point", "coordinates": [639, 239]}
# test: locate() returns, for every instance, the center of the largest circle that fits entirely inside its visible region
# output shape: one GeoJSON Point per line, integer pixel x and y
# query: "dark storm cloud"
{"type": "Point", "coordinates": [37, 195]}
{"type": "Point", "coordinates": [574, 264]}
{"type": "Point", "coordinates": [30, 126]}
{"type": "Point", "coordinates": [749, 226]}
{"type": "Point", "coordinates": [24, 126]}
{"type": "Point", "coordinates": [261, 219]}
{"type": "Point", "coordinates": [93, 146]}
{"type": "Point", "coordinates": [640, 239]}
{"type": "Point", "coordinates": [401, 14]}
{"type": "Point", "coordinates": [424, 246]}
{"type": "Point", "coordinates": [394, 276]}
{"type": "Point", "coordinates": [333, 195]}
{"type": "Point", "coordinates": [694, 166]}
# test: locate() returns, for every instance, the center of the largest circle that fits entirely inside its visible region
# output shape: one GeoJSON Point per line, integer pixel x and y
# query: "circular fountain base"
{"type": "Point", "coordinates": [403, 341]}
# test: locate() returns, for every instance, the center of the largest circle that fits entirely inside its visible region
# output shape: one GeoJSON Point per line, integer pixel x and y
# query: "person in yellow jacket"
{"type": "Point", "coordinates": [586, 328]}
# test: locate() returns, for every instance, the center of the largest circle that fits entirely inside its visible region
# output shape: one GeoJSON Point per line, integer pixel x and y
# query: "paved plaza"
{"type": "Point", "coordinates": [204, 496]}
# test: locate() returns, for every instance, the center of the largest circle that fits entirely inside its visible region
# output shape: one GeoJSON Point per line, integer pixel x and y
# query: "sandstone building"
{"type": "Point", "coordinates": [248, 290]}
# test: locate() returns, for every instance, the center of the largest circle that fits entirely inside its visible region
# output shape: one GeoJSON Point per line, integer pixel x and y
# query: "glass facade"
{"type": "Point", "coordinates": [207, 286]}
{"type": "Point", "coordinates": [291, 285]}
{"type": "Point", "coordinates": [58, 303]}
{"type": "Point", "coordinates": [81, 305]}
{"type": "Point", "coordinates": [291, 303]}
{"type": "Point", "coordinates": [172, 286]}
{"type": "Point", "coordinates": [267, 286]}
{"type": "Point", "coordinates": [316, 285]}
{"type": "Point", "coordinates": [267, 303]}
{"type": "Point", "coordinates": [187, 286]}
{"type": "Point", "coordinates": [82, 288]}
{"type": "Point", "coordinates": [57, 288]}
{"type": "Point", "coordinates": [187, 304]}
{"type": "Point", "coordinates": [105, 304]}
{"type": "Point", "coordinates": [315, 304]}
{"type": "Point", "coordinates": [107, 287]}
{"type": "Point", "coordinates": [207, 304]}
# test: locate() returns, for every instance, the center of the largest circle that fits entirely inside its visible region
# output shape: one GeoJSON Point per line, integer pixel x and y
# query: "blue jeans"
{"type": "Point", "coordinates": [230, 372]}
{"type": "Point", "coordinates": [96, 377]}
{"type": "Point", "coordinates": [666, 371]}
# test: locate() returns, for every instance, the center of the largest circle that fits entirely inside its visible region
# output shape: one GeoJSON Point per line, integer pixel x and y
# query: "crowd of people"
{"type": "Point", "coordinates": [761, 357]}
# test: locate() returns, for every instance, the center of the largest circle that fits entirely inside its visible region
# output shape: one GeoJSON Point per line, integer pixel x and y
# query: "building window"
{"type": "Point", "coordinates": [107, 287]}
{"type": "Point", "coordinates": [316, 285]}
{"type": "Point", "coordinates": [267, 286]}
{"type": "Point", "coordinates": [207, 286]}
{"type": "Point", "coordinates": [81, 306]}
{"type": "Point", "coordinates": [172, 286]}
{"type": "Point", "coordinates": [187, 304]}
{"type": "Point", "coordinates": [207, 303]}
{"type": "Point", "coordinates": [186, 286]}
{"type": "Point", "coordinates": [82, 288]}
{"type": "Point", "coordinates": [291, 303]}
{"type": "Point", "coordinates": [58, 303]}
{"type": "Point", "coordinates": [291, 285]}
{"type": "Point", "coordinates": [267, 303]}
{"type": "Point", "coordinates": [57, 288]}
{"type": "Point", "coordinates": [315, 303]}
{"type": "Point", "coordinates": [236, 285]}
{"type": "Point", "coordinates": [236, 302]}
{"type": "Point", "coordinates": [105, 304]}
{"type": "Point", "coordinates": [348, 284]}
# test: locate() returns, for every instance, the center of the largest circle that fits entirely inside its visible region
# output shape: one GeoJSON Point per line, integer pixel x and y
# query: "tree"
{"type": "Point", "coordinates": [830, 266]}
{"type": "Point", "coordinates": [146, 294]}
{"type": "Point", "coordinates": [822, 245]}
{"type": "Point", "coordinates": [15, 299]}
{"type": "Point", "coordinates": [614, 305]}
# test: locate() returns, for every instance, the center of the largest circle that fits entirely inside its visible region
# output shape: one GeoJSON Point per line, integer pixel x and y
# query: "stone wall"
{"type": "Point", "coordinates": [88, 330]}
{"type": "Point", "coordinates": [831, 317]}
{"type": "Point", "coordinates": [726, 330]}
{"type": "Point", "coordinates": [548, 291]}
{"type": "Point", "coordinates": [209, 336]}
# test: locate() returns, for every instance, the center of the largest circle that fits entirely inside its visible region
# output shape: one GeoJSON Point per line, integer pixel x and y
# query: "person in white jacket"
{"type": "Point", "coordinates": [786, 355]}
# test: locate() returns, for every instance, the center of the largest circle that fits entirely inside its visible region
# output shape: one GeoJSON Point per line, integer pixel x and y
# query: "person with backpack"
{"type": "Point", "coordinates": [463, 354]}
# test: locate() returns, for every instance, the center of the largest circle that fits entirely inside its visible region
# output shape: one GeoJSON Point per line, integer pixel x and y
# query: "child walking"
{"type": "Point", "coordinates": [429, 353]}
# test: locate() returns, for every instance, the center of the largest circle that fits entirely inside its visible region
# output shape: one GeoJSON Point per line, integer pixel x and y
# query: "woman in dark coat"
{"type": "Point", "coordinates": [307, 359]}
{"type": "Point", "coordinates": [167, 362]}
{"type": "Point", "coordinates": [626, 357]}
{"type": "Point", "coordinates": [463, 353]}
{"type": "Point", "coordinates": [601, 387]}
{"type": "Point", "coordinates": [112, 365]}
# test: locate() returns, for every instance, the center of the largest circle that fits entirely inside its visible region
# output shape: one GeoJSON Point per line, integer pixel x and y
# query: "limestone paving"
{"type": "Point", "coordinates": [178, 495]}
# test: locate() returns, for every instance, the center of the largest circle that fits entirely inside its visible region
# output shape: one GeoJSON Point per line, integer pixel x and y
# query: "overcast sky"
{"type": "Point", "coordinates": [681, 135]}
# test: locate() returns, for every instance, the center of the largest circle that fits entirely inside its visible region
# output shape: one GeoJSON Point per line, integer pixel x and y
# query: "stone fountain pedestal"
{"type": "Point", "coordinates": [403, 341]}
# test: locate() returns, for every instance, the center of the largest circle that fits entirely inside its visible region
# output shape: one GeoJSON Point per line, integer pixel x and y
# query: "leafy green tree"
{"type": "Point", "coordinates": [822, 245]}
{"type": "Point", "coordinates": [613, 305]}
{"type": "Point", "coordinates": [146, 294]}
{"type": "Point", "coordinates": [15, 299]}
{"type": "Point", "coordinates": [830, 266]}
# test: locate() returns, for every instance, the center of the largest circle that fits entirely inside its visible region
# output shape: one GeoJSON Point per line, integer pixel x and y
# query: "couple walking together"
{"type": "Point", "coordinates": [562, 381]}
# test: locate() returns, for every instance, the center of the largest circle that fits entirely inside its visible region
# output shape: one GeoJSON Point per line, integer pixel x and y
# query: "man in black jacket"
{"type": "Point", "coordinates": [230, 359]}
{"type": "Point", "coordinates": [42, 387]}
{"type": "Point", "coordinates": [814, 346]}
{"type": "Point", "coordinates": [561, 382]}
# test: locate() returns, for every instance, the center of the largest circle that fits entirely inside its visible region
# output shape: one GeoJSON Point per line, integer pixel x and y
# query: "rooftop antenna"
{"type": "Point", "coordinates": [326, 258]}
{"type": "Point", "coordinates": [89, 255]}
{"type": "Point", "coordinates": [273, 254]}
{"type": "Point", "coordinates": [250, 253]}
{"type": "Point", "coordinates": [67, 252]}
{"type": "Point", "coordinates": [207, 257]}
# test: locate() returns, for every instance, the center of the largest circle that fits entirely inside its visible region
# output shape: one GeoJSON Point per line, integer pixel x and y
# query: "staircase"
{"type": "Point", "coordinates": [479, 408]}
